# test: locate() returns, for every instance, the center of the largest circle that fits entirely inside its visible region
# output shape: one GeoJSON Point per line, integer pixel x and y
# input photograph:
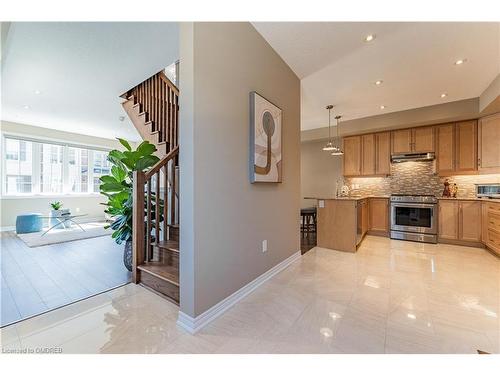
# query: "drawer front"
{"type": "Point", "coordinates": [494, 207]}
{"type": "Point", "coordinates": [494, 221]}
{"type": "Point", "coordinates": [494, 240]}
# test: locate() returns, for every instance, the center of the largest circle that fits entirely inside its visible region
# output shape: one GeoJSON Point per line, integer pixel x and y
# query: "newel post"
{"type": "Point", "coordinates": [137, 223]}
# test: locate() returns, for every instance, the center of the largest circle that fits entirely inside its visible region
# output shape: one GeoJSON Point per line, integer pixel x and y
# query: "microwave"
{"type": "Point", "coordinates": [488, 190]}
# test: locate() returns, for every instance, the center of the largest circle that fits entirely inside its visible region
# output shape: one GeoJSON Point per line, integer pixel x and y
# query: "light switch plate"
{"type": "Point", "coordinates": [264, 246]}
{"type": "Point", "coordinates": [321, 204]}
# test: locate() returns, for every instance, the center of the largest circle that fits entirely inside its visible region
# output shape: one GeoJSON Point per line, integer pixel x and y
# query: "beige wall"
{"type": "Point", "coordinates": [90, 205]}
{"type": "Point", "coordinates": [319, 171]}
{"type": "Point", "coordinates": [224, 218]}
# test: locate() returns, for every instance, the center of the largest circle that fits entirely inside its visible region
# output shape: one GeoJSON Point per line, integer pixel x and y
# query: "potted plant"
{"type": "Point", "coordinates": [117, 187]}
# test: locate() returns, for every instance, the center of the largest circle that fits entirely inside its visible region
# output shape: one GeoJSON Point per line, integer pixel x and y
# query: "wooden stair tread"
{"type": "Point", "coordinates": [169, 245]}
{"type": "Point", "coordinates": [162, 271]}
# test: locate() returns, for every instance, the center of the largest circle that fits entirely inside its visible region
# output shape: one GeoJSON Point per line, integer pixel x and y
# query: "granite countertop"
{"type": "Point", "coordinates": [469, 199]}
{"type": "Point", "coordinates": [349, 198]}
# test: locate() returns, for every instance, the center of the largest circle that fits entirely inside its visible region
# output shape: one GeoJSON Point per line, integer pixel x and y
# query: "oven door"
{"type": "Point", "coordinates": [414, 217]}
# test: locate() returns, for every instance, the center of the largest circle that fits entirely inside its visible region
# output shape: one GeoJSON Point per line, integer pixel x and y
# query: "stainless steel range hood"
{"type": "Point", "coordinates": [400, 158]}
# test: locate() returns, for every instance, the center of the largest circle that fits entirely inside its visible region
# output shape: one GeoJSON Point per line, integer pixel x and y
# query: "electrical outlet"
{"type": "Point", "coordinates": [264, 246]}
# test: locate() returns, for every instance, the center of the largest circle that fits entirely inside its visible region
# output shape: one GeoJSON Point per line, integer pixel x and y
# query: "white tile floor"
{"type": "Point", "coordinates": [389, 297]}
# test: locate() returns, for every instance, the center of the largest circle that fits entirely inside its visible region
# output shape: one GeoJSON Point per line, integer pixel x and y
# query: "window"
{"type": "Point", "coordinates": [101, 168]}
{"type": "Point", "coordinates": [18, 166]}
{"type": "Point", "coordinates": [78, 170]}
{"type": "Point", "coordinates": [51, 168]}
{"type": "Point", "coordinates": [31, 167]}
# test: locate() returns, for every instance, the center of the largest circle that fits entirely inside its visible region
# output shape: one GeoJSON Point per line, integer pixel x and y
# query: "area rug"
{"type": "Point", "coordinates": [64, 235]}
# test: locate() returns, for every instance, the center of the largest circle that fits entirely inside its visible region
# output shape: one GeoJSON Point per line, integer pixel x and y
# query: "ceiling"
{"type": "Point", "coordinates": [415, 61]}
{"type": "Point", "coordinates": [68, 76]}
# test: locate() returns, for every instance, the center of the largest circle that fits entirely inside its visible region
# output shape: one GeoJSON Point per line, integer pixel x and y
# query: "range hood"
{"type": "Point", "coordinates": [400, 158]}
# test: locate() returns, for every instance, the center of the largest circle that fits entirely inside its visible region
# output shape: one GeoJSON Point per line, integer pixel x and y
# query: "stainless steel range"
{"type": "Point", "coordinates": [414, 217]}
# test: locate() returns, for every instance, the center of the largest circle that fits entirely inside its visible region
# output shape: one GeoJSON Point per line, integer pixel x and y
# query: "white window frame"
{"type": "Point", "coordinates": [36, 193]}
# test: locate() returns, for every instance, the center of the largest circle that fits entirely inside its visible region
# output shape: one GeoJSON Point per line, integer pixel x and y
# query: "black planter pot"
{"type": "Point", "coordinates": [127, 255]}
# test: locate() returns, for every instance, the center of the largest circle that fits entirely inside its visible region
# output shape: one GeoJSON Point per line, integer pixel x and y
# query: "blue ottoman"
{"type": "Point", "coordinates": [28, 223]}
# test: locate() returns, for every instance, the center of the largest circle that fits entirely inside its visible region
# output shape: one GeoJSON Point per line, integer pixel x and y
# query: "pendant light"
{"type": "Point", "coordinates": [329, 146]}
{"type": "Point", "coordinates": [337, 150]}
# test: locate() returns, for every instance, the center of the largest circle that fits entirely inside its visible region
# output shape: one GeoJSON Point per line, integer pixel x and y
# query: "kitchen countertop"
{"type": "Point", "coordinates": [351, 198]}
{"type": "Point", "coordinates": [469, 199]}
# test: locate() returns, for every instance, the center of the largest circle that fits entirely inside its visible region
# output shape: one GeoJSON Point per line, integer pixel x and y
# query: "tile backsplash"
{"type": "Point", "coordinates": [416, 178]}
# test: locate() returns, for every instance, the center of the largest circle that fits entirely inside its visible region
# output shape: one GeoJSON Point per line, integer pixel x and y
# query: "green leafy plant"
{"type": "Point", "coordinates": [56, 205]}
{"type": "Point", "coordinates": [117, 187]}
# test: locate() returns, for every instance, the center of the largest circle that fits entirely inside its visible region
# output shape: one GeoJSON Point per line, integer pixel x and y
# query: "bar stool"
{"type": "Point", "coordinates": [308, 216]}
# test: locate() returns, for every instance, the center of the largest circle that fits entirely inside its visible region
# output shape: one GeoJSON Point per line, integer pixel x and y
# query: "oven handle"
{"type": "Point", "coordinates": [416, 205]}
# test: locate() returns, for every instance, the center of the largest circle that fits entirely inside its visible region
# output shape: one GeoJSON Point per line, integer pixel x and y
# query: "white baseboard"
{"type": "Point", "coordinates": [7, 229]}
{"type": "Point", "coordinates": [193, 325]}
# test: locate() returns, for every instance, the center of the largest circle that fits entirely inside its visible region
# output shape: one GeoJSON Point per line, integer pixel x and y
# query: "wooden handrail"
{"type": "Point", "coordinates": [156, 168]}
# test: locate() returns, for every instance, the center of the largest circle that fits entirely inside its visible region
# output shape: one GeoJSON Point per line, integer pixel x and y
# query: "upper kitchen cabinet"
{"type": "Point", "coordinates": [413, 140]}
{"type": "Point", "coordinates": [456, 150]}
{"type": "Point", "coordinates": [445, 149]}
{"type": "Point", "coordinates": [383, 153]}
{"type": "Point", "coordinates": [367, 155]}
{"type": "Point", "coordinates": [352, 156]}
{"type": "Point", "coordinates": [489, 144]}
{"type": "Point", "coordinates": [466, 146]}
{"type": "Point", "coordinates": [401, 141]}
{"type": "Point", "coordinates": [423, 139]}
{"type": "Point", "coordinates": [368, 152]}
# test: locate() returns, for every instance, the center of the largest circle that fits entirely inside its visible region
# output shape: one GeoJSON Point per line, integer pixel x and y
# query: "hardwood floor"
{"type": "Point", "coordinates": [38, 279]}
{"type": "Point", "coordinates": [307, 242]}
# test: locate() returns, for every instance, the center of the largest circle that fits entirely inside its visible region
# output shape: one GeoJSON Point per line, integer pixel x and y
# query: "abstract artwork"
{"type": "Point", "coordinates": [265, 140]}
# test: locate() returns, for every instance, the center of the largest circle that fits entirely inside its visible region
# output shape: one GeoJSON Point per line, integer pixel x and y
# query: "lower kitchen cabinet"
{"type": "Point", "coordinates": [448, 220]}
{"type": "Point", "coordinates": [469, 221]}
{"type": "Point", "coordinates": [491, 226]}
{"type": "Point", "coordinates": [460, 221]}
{"type": "Point", "coordinates": [379, 216]}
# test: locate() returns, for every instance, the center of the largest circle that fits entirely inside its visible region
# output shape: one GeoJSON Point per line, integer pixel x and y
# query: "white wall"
{"type": "Point", "coordinates": [224, 217]}
{"type": "Point", "coordinates": [90, 205]}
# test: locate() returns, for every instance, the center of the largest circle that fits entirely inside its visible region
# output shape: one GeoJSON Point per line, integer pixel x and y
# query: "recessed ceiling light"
{"type": "Point", "coordinates": [37, 92]}
{"type": "Point", "coordinates": [121, 118]}
{"type": "Point", "coordinates": [379, 82]}
{"type": "Point", "coordinates": [460, 62]}
{"type": "Point", "coordinates": [444, 95]}
{"type": "Point", "coordinates": [382, 107]}
{"type": "Point", "coordinates": [26, 106]}
{"type": "Point", "coordinates": [369, 37]}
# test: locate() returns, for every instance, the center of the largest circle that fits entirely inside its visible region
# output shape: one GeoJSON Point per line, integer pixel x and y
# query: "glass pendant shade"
{"type": "Point", "coordinates": [329, 147]}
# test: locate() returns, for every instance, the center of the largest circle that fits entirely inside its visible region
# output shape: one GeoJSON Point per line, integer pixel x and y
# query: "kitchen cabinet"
{"type": "Point", "coordinates": [379, 216]}
{"type": "Point", "coordinates": [352, 156]}
{"type": "Point", "coordinates": [460, 220]}
{"type": "Point", "coordinates": [448, 220]}
{"type": "Point", "coordinates": [368, 154]}
{"type": "Point", "coordinates": [491, 226]}
{"type": "Point", "coordinates": [488, 144]}
{"type": "Point", "coordinates": [445, 149]}
{"type": "Point", "coordinates": [466, 146]}
{"type": "Point", "coordinates": [401, 141]}
{"type": "Point", "coordinates": [469, 221]}
{"type": "Point", "coordinates": [423, 139]}
{"type": "Point", "coordinates": [456, 150]}
{"type": "Point", "coordinates": [383, 153]}
{"type": "Point", "coordinates": [413, 140]}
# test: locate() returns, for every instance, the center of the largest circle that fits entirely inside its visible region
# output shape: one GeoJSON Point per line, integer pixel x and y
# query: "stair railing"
{"type": "Point", "coordinates": [154, 208]}
{"type": "Point", "coordinates": [158, 98]}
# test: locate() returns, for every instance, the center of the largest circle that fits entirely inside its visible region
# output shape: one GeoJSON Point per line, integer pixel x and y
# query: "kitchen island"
{"type": "Point", "coordinates": [342, 222]}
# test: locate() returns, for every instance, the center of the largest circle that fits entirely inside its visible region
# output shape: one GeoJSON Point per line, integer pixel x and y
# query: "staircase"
{"type": "Point", "coordinates": [153, 108]}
